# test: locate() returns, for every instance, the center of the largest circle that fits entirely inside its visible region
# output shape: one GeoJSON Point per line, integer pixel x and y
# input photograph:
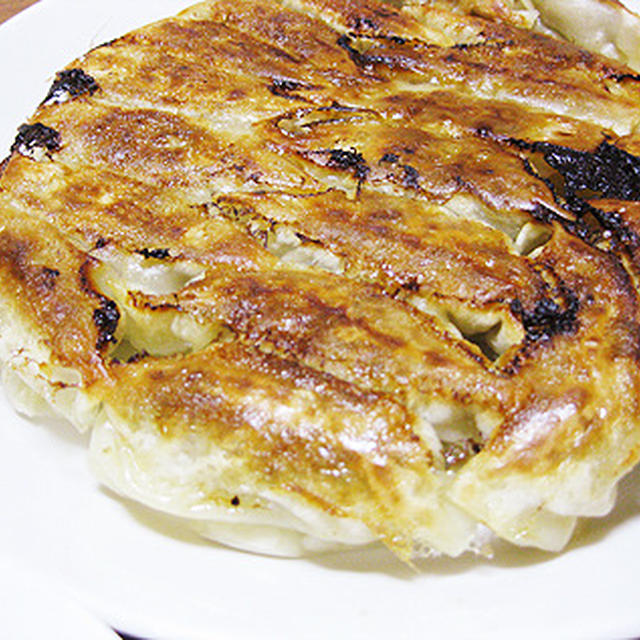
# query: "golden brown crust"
{"type": "Point", "coordinates": [368, 214]}
{"type": "Point", "coordinates": [232, 394]}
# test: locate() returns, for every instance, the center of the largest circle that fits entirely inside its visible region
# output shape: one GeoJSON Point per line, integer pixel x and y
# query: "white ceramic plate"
{"type": "Point", "coordinates": [140, 573]}
{"type": "Point", "coordinates": [34, 607]}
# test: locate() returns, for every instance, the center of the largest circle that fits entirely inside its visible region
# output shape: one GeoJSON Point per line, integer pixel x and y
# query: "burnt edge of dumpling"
{"type": "Point", "coordinates": [74, 82]}
{"type": "Point", "coordinates": [360, 59]}
{"type": "Point", "coordinates": [284, 86]}
{"type": "Point", "coordinates": [550, 316]}
{"type": "Point", "coordinates": [576, 227]}
{"type": "Point", "coordinates": [4, 164]}
{"type": "Point", "coordinates": [107, 316]}
{"type": "Point", "coordinates": [367, 60]}
{"type": "Point", "coordinates": [622, 77]}
{"type": "Point", "coordinates": [607, 172]}
{"type": "Point", "coordinates": [349, 160]}
{"type": "Point", "coordinates": [157, 254]}
{"type": "Point", "coordinates": [36, 136]}
{"type": "Point", "coordinates": [287, 88]}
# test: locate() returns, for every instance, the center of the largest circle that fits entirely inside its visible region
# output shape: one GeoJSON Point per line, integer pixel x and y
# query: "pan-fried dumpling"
{"type": "Point", "coordinates": [318, 273]}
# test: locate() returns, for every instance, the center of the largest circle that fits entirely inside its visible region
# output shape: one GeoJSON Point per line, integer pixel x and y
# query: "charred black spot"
{"type": "Point", "coordinates": [611, 221]}
{"type": "Point", "coordinates": [283, 86]}
{"type": "Point", "coordinates": [349, 160]}
{"type": "Point", "coordinates": [390, 157]}
{"type": "Point", "coordinates": [158, 254]}
{"type": "Point", "coordinates": [411, 177]}
{"type": "Point", "coordinates": [621, 77]}
{"type": "Point", "coordinates": [608, 171]}
{"type": "Point", "coordinates": [74, 82]}
{"type": "Point", "coordinates": [38, 135]}
{"type": "Point", "coordinates": [235, 501]}
{"type": "Point", "coordinates": [575, 227]}
{"type": "Point", "coordinates": [100, 242]}
{"type": "Point", "coordinates": [549, 317]}
{"type": "Point", "coordinates": [370, 55]}
{"type": "Point", "coordinates": [106, 318]}
{"type": "Point", "coordinates": [306, 239]}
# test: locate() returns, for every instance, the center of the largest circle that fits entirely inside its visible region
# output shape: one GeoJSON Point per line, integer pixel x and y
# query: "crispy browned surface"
{"type": "Point", "coordinates": [292, 450]}
{"type": "Point", "coordinates": [410, 148]}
